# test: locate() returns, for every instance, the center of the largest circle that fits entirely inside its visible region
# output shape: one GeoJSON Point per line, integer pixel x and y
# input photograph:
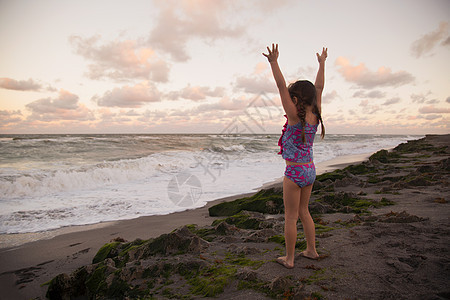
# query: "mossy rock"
{"type": "Point", "coordinates": [211, 281]}
{"type": "Point", "coordinates": [349, 202]}
{"type": "Point", "coordinates": [359, 169]}
{"type": "Point", "coordinates": [242, 220]}
{"type": "Point", "coordinates": [96, 281]}
{"type": "Point", "coordinates": [415, 146]}
{"type": "Point", "coordinates": [333, 176]}
{"type": "Point", "coordinates": [166, 244]}
{"type": "Point", "coordinates": [208, 234]}
{"type": "Point", "coordinates": [384, 156]}
{"type": "Point", "coordinates": [108, 250]}
{"type": "Point", "coordinates": [265, 201]}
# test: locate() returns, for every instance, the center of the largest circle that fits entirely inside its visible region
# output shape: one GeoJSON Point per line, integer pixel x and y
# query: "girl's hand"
{"type": "Point", "coordinates": [273, 55]}
{"type": "Point", "coordinates": [322, 57]}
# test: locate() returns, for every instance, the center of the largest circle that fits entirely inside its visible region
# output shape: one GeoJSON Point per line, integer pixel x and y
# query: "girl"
{"type": "Point", "coordinates": [302, 103]}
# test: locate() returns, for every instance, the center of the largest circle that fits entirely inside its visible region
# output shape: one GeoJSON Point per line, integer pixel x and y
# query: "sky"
{"type": "Point", "coordinates": [195, 66]}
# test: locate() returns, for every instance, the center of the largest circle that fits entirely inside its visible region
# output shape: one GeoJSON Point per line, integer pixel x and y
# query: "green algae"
{"type": "Point", "coordinates": [333, 176]}
{"type": "Point", "coordinates": [323, 228]}
{"type": "Point", "coordinates": [384, 156]}
{"type": "Point", "coordinates": [416, 146]}
{"type": "Point", "coordinates": [348, 202]}
{"type": "Point", "coordinates": [242, 260]}
{"type": "Point", "coordinates": [96, 283]}
{"type": "Point", "coordinates": [211, 281]}
{"type": "Point", "coordinates": [106, 251]}
{"type": "Point", "coordinates": [265, 201]}
{"type": "Point", "coordinates": [360, 169]}
{"type": "Point", "coordinates": [300, 244]}
{"type": "Point", "coordinates": [241, 220]}
{"type": "Point", "coordinates": [208, 234]}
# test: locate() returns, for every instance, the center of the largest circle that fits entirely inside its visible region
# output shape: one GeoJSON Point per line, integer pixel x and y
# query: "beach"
{"type": "Point", "coordinates": [396, 248]}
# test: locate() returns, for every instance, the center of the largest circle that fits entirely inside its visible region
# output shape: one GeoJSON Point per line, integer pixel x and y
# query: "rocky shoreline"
{"type": "Point", "coordinates": [382, 231]}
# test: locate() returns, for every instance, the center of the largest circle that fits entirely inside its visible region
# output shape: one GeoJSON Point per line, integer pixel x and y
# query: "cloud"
{"type": "Point", "coordinates": [392, 101]}
{"type": "Point", "coordinates": [10, 118]}
{"type": "Point", "coordinates": [423, 98]}
{"type": "Point", "coordinates": [367, 79]}
{"type": "Point", "coordinates": [120, 60]}
{"type": "Point", "coordinates": [196, 93]}
{"type": "Point", "coordinates": [129, 96]}
{"type": "Point", "coordinates": [19, 85]}
{"type": "Point", "coordinates": [430, 117]}
{"type": "Point", "coordinates": [256, 84]}
{"type": "Point", "coordinates": [371, 94]}
{"type": "Point", "coordinates": [180, 21]}
{"type": "Point", "coordinates": [364, 103]}
{"type": "Point", "coordinates": [328, 97]}
{"type": "Point", "coordinates": [224, 104]}
{"type": "Point", "coordinates": [447, 100]}
{"type": "Point", "coordinates": [428, 42]}
{"type": "Point", "coordinates": [64, 107]}
{"type": "Point", "coordinates": [434, 110]}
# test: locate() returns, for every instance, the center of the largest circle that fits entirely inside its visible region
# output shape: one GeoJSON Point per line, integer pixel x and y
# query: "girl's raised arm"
{"type": "Point", "coordinates": [286, 101]}
{"type": "Point", "coordinates": [320, 78]}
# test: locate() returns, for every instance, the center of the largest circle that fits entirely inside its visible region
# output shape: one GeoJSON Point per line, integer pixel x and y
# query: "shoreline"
{"type": "Point", "coordinates": [11, 241]}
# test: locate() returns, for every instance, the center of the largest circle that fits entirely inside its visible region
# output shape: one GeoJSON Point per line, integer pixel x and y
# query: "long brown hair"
{"type": "Point", "coordinates": [305, 92]}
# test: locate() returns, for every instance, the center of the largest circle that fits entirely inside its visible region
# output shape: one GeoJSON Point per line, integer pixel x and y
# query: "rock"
{"type": "Point", "coordinates": [246, 275]}
{"type": "Point", "coordinates": [265, 201]}
{"type": "Point", "coordinates": [402, 217]}
{"type": "Point", "coordinates": [425, 169]}
{"type": "Point", "coordinates": [197, 245]}
{"type": "Point", "coordinates": [280, 284]}
{"type": "Point", "coordinates": [346, 181]}
{"type": "Point", "coordinates": [245, 250]}
{"type": "Point", "coordinates": [60, 288]}
{"type": "Point", "coordinates": [320, 208]}
{"type": "Point", "coordinates": [418, 181]}
{"type": "Point", "coordinates": [445, 164]}
{"type": "Point", "coordinates": [180, 241]}
{"type": "Point", "coordinates": [223, 228]}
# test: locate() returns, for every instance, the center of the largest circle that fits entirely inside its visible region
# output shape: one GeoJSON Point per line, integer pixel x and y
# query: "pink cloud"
{"type": "Point", "coordinates": [64, 107]}
{"type": "Point", "coordinates": [371, 94]}
{"type": "Point", "coordinates": [9, 118]}
{"type": "Point", "coordinates": [434, 110]}
{"type": "Point", "coordinates": [129, 96]}
{"type": "Point", "coordinates": [196, 93]}
{"type": "Point", "coordinates": [365, 78]}
{"type": "Point", "coordinates": [180, 21]}
{"type": "Point", "coordinates": [19, 85]}
{"type": "Point", "coordinates": [256, 84]}
{"type": "Point", "coordinates": [120, 60]}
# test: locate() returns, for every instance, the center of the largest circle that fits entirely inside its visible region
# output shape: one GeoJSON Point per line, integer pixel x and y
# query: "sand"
{"type": "Point", "coordinates": [404, 258]}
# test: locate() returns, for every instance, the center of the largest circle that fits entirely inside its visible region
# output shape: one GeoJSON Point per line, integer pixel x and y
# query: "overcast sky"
{"type": "Point", "coordinates": [196, 65]}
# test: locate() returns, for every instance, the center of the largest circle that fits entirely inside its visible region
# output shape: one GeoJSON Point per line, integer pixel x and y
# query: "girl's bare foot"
{"type": "Point", "coordinates": [282, 261]}
{"type": "Point", "coordinates": [309, 255]}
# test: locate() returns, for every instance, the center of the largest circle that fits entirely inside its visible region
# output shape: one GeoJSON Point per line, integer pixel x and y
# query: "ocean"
{"type": "Point", "coordinates": [52, 181]}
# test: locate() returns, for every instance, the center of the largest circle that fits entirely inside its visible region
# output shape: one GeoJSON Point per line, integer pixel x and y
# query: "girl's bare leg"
{"type": "Point", "coordinates": [307, 222]}
{"type": "Point", "coordinates": [291, 198]}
